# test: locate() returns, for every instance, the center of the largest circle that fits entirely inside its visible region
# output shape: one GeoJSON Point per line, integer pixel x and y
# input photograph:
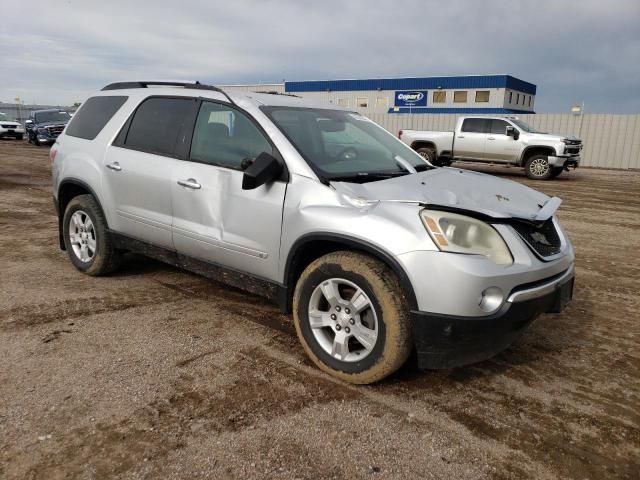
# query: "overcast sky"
{"type": "Point", "coordinates": [58, 52]}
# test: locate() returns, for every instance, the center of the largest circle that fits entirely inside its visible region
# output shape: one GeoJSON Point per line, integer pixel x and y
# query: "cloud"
{"type": "Point", "coordinates": [573, 50]}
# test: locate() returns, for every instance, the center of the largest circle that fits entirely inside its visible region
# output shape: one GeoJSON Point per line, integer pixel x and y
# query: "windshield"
{"type": "Point", "coordinates": [345, 146]}
{"type": "Point", "coordinates": [524, 126]}
{"type": "Point", "coordinates": [46, 117]}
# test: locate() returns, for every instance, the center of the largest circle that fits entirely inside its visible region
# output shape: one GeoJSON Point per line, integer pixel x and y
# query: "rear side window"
{"type": "Point", "coordinates": [94, 114]}
{"type": "Point", "coordinates": [474, 125]}
{"type": "Point", "coordinates": [157, 123]}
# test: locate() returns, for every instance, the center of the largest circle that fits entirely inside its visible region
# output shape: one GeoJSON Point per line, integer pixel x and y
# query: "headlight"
{"type": "Point", "coordinates": [461, 234]}
{"type": "Point", "coordinates": [42, 131]}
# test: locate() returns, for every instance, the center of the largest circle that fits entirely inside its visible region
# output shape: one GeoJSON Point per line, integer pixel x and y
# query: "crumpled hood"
{"type": "Point", "coordinates": [456, 188]}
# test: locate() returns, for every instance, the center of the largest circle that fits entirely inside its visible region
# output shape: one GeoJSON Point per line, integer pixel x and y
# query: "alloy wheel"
{"type": "Point", "coordinates": [343, 320]}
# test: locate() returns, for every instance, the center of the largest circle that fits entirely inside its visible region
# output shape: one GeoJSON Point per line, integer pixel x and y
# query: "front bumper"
{"type": "Point", "coordinates": [11, 132]}
{"type": "Point", "coordinates": [565, 162]}
{"type": "Point", "coordinates": [447, 341]}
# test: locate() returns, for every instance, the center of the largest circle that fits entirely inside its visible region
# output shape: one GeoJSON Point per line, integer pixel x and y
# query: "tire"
{"type": "Point", "coordinates": [429, 154]}
{"type": "Point", "coordinates": [556, 171]}
{"type": "Point", "coordinates": [537, 167]}
{"type": "Point", "coordinates": [382, 323]}
{"type": "Point", "coordinates": [20, 137]}
{"type": "Point", "coordinates": [91, 251]}
{"type": "Point", "coordinates": [36, 142]}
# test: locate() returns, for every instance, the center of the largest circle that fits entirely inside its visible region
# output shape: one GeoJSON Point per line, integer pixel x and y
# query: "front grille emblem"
{"type": "Point", "coordinates": [540, 238]}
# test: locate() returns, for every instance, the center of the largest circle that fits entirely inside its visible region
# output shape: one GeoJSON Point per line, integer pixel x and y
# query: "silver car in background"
{"type": "Point", "coordinates": [376, 252]}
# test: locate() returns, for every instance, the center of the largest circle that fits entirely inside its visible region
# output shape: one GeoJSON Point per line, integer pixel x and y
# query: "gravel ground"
{"type": "Point", "coordinates": [157, 373]}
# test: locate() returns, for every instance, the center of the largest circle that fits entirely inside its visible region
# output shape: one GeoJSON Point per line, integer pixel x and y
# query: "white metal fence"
{"type": "Point", "coordinates": [610, 141]}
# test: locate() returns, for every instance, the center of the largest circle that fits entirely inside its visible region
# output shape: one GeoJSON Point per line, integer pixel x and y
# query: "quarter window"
{"type": "Point", "coordinates": [224, 136]}
{"type": "Point", "coordinates": [157, 123]}
{"type": "Point", "coordinates": [94, 114]}
{"type": "Point", "coordinates": [460, 96]}
{"type": "Point", "coordinates": [474, 125]}
{"type": "Point", "coordinates": [439, 96]}
{"type": "Point", "coordinates": [482, 96]}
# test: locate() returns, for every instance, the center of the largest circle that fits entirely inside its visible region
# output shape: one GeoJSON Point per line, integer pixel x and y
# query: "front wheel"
{"type": "Point", "coordinates": [352, 317]}
{"type": "Point", "coordinates": [556, 171]}
{"type": "Point", "coordinates": [537, 167]}
{"type": "Point", "coordinates": [87, 239]}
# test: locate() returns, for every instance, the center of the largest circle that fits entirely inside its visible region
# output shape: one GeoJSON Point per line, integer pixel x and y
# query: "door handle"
{"type": "Point", "coordinates": [491, 138]}
{"type": "Point", "coordinates": [190, 183]}
{"type": "Point", "coordinates": [460, 136]}
{"type": "Point", "coordinates": [114, 166]}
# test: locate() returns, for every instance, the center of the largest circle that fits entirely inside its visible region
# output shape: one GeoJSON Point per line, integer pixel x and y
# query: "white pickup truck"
{"type": "Point", "coordinates": [505, 140]}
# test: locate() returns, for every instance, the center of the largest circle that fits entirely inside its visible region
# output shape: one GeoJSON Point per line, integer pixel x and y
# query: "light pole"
{"type": "Point", "coordinates": [579, 110]}
{"type": "Point", "coordinates": [17, 99]}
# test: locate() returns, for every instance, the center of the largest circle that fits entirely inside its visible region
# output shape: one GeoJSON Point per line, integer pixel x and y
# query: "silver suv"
{"type": "Point", "coordinates": [377, 253]}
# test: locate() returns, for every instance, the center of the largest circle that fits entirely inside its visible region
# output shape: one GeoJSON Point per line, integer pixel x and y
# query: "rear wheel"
{"type": "Point", "coordinates": [537, 167]}
{"type": "Point", "coordinates": [87, 239]}
{"type": "Point", "coordinates": [352, 318]}
{"type": "Point", "coordinates": [428, 153]}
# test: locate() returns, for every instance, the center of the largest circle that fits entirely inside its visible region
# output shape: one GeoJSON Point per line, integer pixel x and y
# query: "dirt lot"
{"type": "Point", "coordinates": [157, 373]}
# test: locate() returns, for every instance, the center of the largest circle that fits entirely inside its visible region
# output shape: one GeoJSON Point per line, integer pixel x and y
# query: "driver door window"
{"type": "Point", "coordinates": [224, 136]}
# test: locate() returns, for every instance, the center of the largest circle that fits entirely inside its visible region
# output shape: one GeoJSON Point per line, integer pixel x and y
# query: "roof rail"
{"type": "Point", "coordinates": [145, 84]}
{"type": "Point", "coordinates": [275, 92]}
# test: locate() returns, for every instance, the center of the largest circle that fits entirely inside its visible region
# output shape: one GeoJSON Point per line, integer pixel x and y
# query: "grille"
{"type": "Point", "coordinates": [542, 238]}
{"type": "Point", "coordinates": [55, 130]}
{"type": "Point", "coordinates": [9, 126]}
{"type": "Point", "coordinates": [572, 150]}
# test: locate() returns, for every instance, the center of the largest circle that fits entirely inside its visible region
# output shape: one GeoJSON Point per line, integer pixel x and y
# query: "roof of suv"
{"type": "Point", "coordinates": [145, 89]}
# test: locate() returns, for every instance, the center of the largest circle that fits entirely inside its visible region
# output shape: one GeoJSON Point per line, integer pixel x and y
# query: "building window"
{"type": "Point", "coordinates": [482, 96]}
{"type": "Point", "coordinates": [362, 102]}
{"type": "Point", "coordinates": [343, 102]}
{"type": "Point", "coordinates": [460, 96]}
{"type": "Point", "coordinates": [439, 96]}
{"type": "Point", "coordinates": [510, 97]}
{"type": "Point", "coordinates": [529, 100]}
{"type": "Point", "coordinates": [382, 102]}
{"type": "Point", "coordinates": [517, 99]}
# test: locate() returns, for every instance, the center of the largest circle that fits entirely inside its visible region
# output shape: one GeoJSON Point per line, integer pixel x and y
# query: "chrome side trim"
{"type": "Point", "coordinates": [541, 290]}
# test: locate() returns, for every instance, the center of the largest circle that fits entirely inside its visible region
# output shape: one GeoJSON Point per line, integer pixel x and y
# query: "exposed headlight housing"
{"type": "Point", "coordinates": [461, 234]}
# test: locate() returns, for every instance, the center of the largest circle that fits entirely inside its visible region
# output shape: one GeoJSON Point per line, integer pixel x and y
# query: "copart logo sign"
{"type": "Point", "coordinates": [411, 98]}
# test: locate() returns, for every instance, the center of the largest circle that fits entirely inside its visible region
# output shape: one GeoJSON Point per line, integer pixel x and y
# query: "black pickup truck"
{"type": "Point", "coordinates": [44, 126]}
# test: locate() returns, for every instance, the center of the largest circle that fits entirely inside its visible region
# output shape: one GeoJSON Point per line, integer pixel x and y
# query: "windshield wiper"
{"type": "Point", "coordinates": [363, 177]}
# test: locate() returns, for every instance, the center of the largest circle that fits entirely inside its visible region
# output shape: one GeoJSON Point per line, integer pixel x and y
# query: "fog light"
{"type": "Point", "coordinates": [491, 299]}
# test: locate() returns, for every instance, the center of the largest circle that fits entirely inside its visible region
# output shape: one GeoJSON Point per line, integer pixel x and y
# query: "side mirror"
{"type": "Point", "coordinates": [513, 132]}
{"type": "Point", "coordinates": [263, 169]}
{"type": "Point", "coordinates": [28, 123]}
